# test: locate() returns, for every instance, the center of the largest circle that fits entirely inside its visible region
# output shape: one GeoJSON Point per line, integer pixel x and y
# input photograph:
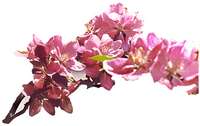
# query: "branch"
{"type": "Point", "coordinates": [12, 113]}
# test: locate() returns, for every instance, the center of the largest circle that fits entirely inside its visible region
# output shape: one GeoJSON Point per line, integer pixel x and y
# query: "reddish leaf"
{"type": "Point", "coordinates": [29, 88]}
{"type": "Point", "coordinates": [66, 105]}
{"type": "Point", "coordinates": [54, 92]}
{"type": "Point", "coordinates": [36, 63]}
{"type": "Point", "coordinates": [53, 67]}
{"type": "Point", "coordinates": [39, 84]}
{"type": "Point", "coordinates": [106, 81]}
{"type": "Point", "coordinates": [48, 107]}
{"type": "Point", "coordinates": [59, 79]}
{"type": "Point", "coordinates": [35, 107]}
{"type": "Point", "coordinates": [41, 52]}
{"type": "Point", "coordinates": [36, 70]}
{"type": "Point", "coordinates": [72, 87]}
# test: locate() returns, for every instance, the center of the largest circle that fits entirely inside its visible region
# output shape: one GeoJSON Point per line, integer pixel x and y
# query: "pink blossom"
{"type": "Point", "coordinates": [139, 59]}
{"type": "Point", "coordinates": [65, 53]}
{"type": "Point", "coordinates": [117, 23]}
{"type": "Point", "coordinates": [95, 46]}
{"type": "Point", "coordinates": [174, 68]}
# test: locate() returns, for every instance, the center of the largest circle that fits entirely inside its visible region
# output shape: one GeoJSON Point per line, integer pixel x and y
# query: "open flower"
{"type": "Point", "coordinates": [65, 54]}
{"type": "Point", "coordinates": [174, 67]}
{"type": "Point", "coordinates": [117, 23]}
{"type": "Point", "coordinates": [97, 50]}
{"type": "Point", "coordinates": [139, 59]}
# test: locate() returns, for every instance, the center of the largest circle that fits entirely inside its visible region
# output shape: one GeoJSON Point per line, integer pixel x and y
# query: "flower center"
{"type": "Point", "coordinates": [139, 58]}
{"type": "Point", "coordinates": [64, 57]}
{"type": "Point", "coordinates": [173, 69]}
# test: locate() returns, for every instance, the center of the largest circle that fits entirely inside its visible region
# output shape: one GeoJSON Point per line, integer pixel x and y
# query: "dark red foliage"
{"type": "Point", "coordinates": [35, 106]}
{"type": "Point", "coordinates": [66, 104]}
{"type": "Point", "coordinates": [29, 88]}
{"type": "Point", "coordinates": [48, 107]}
{"type": "Point", "coordinates": [59, 79]}
{"type": "Point", "coordinates": [41, 51]}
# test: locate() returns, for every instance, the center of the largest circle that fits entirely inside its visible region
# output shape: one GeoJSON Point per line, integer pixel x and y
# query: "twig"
{"type": "Point", "coordinates": [12, 113]}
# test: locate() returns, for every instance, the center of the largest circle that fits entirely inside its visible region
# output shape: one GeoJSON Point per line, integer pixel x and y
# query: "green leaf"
{"type": "Point", "coordinates": [101, 58]}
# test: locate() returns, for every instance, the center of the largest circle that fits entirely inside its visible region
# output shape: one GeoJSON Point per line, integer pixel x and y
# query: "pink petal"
{"type": "Point", "coordinates": [92, 42]}
{"type": "Point", "coordinates": [83, 38]}
{"type": "Point", "coordinates": [55, 42]}
{"type": "Point", "coordinates": [190, 70]}
{"type": "Point", "coordinates": [175, 52]}
{"type": "Point", "coordinates": [118, 8]}
{"type": "Point", "coordinates": [152, 40]}
{"type": "Point", "coordinates": [158, 68]}
{"type": "Point", "coordinates": [176, 82]}
{"type": "Point", "coordinates": [76, 66]}
{"type": "Point", "coordinates": [154, 53]}
{"type": "Point", "coordinates": [70, 49]}
{"type": "Point", "coordinates": [157, 71]}
{"type": "Point", "coordinates": [118, 66]}
{"type": "Point", "coordinates": [139, 43]}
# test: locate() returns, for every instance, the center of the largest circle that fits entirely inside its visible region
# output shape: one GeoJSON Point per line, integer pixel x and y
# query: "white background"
{"type": "Point", "coordinates": [139, 103]}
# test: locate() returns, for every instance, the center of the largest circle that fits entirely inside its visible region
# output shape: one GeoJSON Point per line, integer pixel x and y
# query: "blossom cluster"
{"type": "Point", "coordinates": [111, 46]}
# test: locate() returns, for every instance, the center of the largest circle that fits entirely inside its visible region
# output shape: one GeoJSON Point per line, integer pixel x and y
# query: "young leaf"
{"type": "Point", "coordinates": [101, 58]}
{"type": "Point", "coordinates": [48, 107]}
{"type": "Point", "coordinates": [54, 93]}
{"type": "Point", "coordinates": [29, 88]}
{"type": "Point", "coordinates": [35, 107]}
{"type": "Point", "coordinates": [66, 105]}
{"type": "Point", "coordinates": [59, 79]}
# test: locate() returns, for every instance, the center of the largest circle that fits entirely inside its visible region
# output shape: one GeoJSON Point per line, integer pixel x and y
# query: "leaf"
{"type": "Point", "coordinates": [35, 107]}
{"type": "Point", "coordinates": [40, 83]}
{"type": "Point", "coordinates": [41, 52]}
{"type": "Point", "coordinates": [101, 58]}
{"type": "Point", "coordinates": [29, 88]}
{"type": "Point", "coordinates": [36, 63]}
{"type": "Point", "coordinates": [54, 93]}
{"type": "Point", "coordinates": [66, 105]}
{"type": "Point", "coordinates": [36, 70]}
{"type": "Point", "coordinates": [48, 107]}
{"type": "Point", "coordinates": [59, 79]}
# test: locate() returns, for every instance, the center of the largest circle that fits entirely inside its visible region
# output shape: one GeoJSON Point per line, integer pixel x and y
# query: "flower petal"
{"type": "Point", "coordinates": [55, 42]}
{"type": "Point", "coordinates": [118, 66]}
{"type": "Point", "coordinates": [76, 65]}
{"type": "Point", "coordinates": [70, 49]}
{"type": "Point", "coordinates": [152, 40]}
{"type": "Point", "coordinates": [92, 42]}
